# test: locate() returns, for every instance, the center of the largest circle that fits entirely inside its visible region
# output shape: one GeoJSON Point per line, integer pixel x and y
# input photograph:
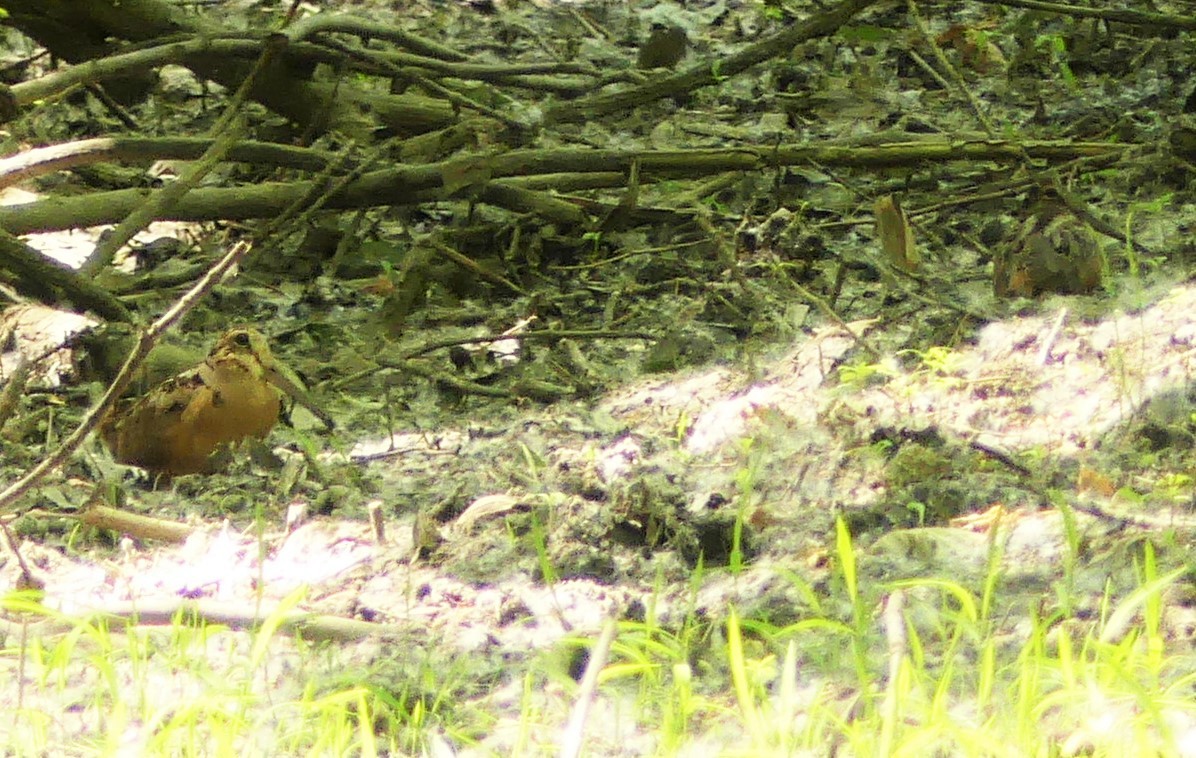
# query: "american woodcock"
{"type": "Point", "coordinates": [176, 427]}
{"type": "Point", "coordinates": [1055, 251]}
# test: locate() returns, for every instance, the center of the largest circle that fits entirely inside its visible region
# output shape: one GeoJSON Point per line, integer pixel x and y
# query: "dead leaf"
{"type": "Point", "coordinates": [895, 234]}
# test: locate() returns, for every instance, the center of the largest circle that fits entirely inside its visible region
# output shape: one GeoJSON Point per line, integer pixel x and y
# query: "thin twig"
{"type": "Point", "coordinates": [825, 308]}
{"type": "Point", "coordinates": [961, 84]}
{"type": "Point", "coordinates": [575, 729]}
{"type": "Point", "coordinates": [1048, 344]}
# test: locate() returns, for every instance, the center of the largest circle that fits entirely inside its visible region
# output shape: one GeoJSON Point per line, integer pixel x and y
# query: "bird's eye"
{"type": "Point", "coordinates": [241, 338]}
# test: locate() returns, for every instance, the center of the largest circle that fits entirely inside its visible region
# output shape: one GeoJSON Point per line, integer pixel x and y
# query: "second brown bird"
{"type": "Point", "coordinates": [1055, 251]}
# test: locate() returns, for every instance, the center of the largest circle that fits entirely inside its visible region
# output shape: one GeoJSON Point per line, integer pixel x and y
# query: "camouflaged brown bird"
{"type": "Point", "coordinates": [1054, 251]}
{"type": "Point", "coordinates": [234, 394]}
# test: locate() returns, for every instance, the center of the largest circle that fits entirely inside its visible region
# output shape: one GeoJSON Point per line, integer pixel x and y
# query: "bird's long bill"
{"type": "Point", "coordinates": [282, 377]}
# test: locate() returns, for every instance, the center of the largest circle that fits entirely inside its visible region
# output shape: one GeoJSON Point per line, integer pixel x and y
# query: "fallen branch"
{"type": "Point", "coordinates": [410, 185]}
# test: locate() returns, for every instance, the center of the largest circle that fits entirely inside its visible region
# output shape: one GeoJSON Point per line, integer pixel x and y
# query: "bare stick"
{"type": "Point", "coordinates": [575, 729]}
